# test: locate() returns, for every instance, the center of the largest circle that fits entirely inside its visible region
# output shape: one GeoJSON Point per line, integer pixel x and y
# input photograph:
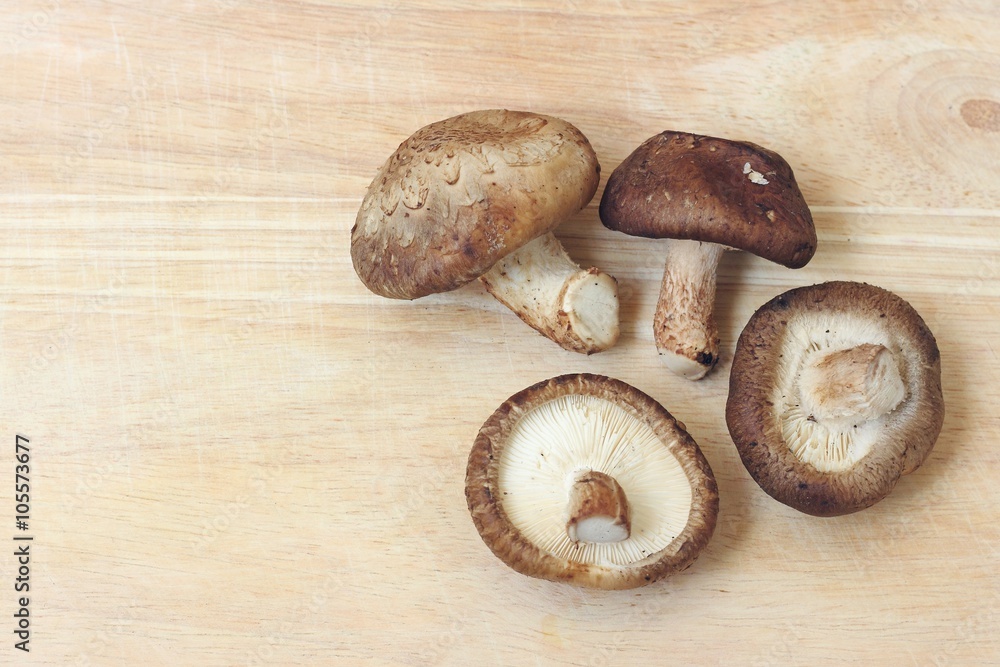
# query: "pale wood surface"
{"type": "Point", "coordinates": [240, 456]}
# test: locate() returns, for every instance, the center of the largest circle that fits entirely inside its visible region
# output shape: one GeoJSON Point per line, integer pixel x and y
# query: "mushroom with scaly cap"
{"type": "Point", "coordinates": [585, 479]}
{"type": "Point", "coordinates": [478, 196]}
{"type": "Point", "coordinates": [705, 195]}
{"type": "Point", "coordinates": [835, 393]}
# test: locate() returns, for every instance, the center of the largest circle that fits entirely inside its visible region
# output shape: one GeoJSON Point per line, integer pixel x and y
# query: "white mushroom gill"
{"type": "Point", "coordinates": [839, 381]}
{"type": "Point", "coordinates": [555, 442]}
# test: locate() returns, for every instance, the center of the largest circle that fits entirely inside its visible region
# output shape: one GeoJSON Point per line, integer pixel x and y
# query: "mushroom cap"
{"type": "Point", "coordinates": [834, 469]}
{"type": "Point", "coordinates": [529, 452]}
{"type": "Point", "coordinates": [687, 186]}
{"type": "Point", "coordinates": [462, 193]}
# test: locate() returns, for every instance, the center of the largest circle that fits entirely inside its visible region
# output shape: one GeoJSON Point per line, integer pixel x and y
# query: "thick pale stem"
{"type": "Point", "coordinates": [684, 325]}
{"type": "Point", "coordinates": [857, 384]}
{"type": "Point", "coordinates": [576, 308]}
{"type": "Point", "coordinates": [598, 509]}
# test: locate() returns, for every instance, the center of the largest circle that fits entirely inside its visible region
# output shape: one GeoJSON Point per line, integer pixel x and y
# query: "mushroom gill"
{"type": "Point", "coordinates": [562, 441]}
{"type": "Point", "coordinates": [834, 395]}
{"type": "Point", "coordinates": [838, 380]}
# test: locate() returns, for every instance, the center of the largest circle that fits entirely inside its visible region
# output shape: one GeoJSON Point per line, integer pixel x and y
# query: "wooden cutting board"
{"type": "Point", "coordinates": [238, 455]}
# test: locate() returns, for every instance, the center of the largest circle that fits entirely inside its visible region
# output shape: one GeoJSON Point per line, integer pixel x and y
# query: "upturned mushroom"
{"type": "Point", "coordinates": [835, 393]}
{"type": "Point", "coordinates": [705, 195]}
{"type": "Point", "coordinates": [478, 196]}
{"type": "Point", "coordinates": [585, 479]}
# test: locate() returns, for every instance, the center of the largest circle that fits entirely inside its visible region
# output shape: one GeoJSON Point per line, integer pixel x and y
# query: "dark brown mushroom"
{"type": "Point", "coordinates": [705, 195]}
{"type": "Point", "coordinates": [835, 393]}
{"type": "Point", "coordinates": [477, 196]}
{"type": "Point", "coordinates": [585, 479]}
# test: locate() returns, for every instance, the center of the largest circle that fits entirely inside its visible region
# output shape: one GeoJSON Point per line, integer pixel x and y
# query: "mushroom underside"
{"type": "Point", "coordinates": [834, 394]}
{"type": "Point", "coordinates": [834, 436]}
{"type": "Point", "coordinates": [585, 479]}
{"type": "Point", "coordinates": [554, 443]}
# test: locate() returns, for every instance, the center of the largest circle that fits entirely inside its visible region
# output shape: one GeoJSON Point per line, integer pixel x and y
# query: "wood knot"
{"type": "Point", "coordinates": [981, 114]}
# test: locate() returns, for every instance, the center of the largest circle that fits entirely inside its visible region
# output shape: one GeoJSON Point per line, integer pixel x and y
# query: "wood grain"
{"type": "Point", "coordinates": [240, 456]}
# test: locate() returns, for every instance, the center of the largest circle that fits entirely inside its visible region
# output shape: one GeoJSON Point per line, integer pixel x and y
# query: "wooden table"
{"type": "Point", "coordinates": [241, 456]}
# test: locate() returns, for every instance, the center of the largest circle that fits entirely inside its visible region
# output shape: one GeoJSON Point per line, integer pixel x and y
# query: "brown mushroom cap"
{"type": "Point", "coordinates": [686, 186]}
{"type": "Point", "coordinates": [827, 463]}
{"type": "Point", "coordinates": [543, 440]}
{"type": "Point", "coordinates": [462, 193]}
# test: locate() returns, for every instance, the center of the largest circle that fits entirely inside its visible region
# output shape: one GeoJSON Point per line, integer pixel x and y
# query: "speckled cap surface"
{"type": "Point", "coordinates": [464, 192]}
{"type": "Point", "coordinates": [687, 186]}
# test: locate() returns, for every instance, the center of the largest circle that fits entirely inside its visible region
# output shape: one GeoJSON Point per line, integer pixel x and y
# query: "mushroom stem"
{"type": "Point", "coordinates": [684, 326]}
{"type": "Point", "coordinates": [858, 383]}
{"type": "Point", "coordinates": [576, 308]}
{"type": "Point", "coordinates": [598, 509]}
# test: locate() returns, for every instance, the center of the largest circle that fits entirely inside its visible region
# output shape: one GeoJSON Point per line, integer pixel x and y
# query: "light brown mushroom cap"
{"type": "Point", "coordinates": [793, 441]}
{"type": "Point", "coordinates": [462, 193]}
{"type": "Point", "coordinates": [534, 452]}
{"type": "Point", "coordinates": [687, 186]}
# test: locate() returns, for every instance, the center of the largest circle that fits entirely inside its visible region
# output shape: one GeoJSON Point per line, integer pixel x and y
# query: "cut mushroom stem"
{"type": "Point", "coordinates": [684, 325]}
{"type": "Point", "coordinates": [598, 510]}
{"type": "Point", "coordinates": [577, 308]}
{"type": "Point", "coordinates": [858, 383]}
